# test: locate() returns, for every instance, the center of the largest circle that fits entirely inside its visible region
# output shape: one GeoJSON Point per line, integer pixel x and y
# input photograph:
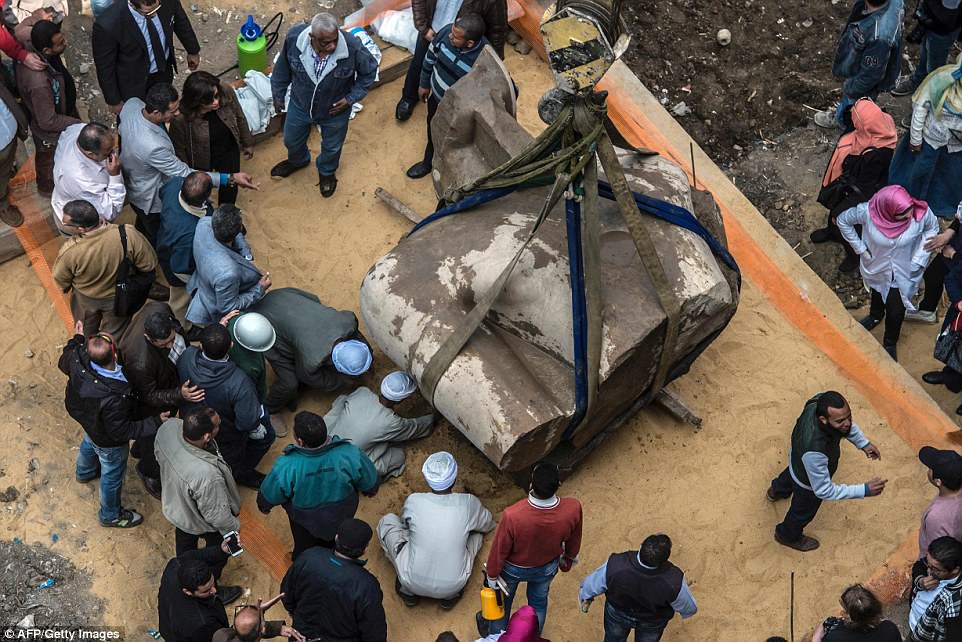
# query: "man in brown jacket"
{"type": "Point", "coordinates": [88, 265]}
{"type": "Point", "coordinates": [49, 95]}
{"type": "Point", "coordinates": [429, 17]}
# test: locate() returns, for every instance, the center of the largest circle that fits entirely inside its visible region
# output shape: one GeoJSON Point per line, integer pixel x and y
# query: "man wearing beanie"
{"type": "Point", "coordinates": [943, 516]}
{"type": "Point", "coordinates": [369, 422]}
{"type": "Point", "coordinates": [317, 480]}
{"type": "Point", "coordinates": [536, 538]}
{"type": "Point", "coordinates": [432, 545]}
{"type": "Point", "coordinates": [330, 595]}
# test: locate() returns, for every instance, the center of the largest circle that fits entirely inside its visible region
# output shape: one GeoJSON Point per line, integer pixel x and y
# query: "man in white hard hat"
{"type": "Point", "coordinates": [432, 545]}
{"type": "Point", "coordinates": [369, 422]}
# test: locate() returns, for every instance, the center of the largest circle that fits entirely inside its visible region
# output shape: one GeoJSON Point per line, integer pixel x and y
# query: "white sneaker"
{"type": "Point", "coordinates": [920, 316]}
{"type": "Point", "coordinates": [279, 424]}
{"type": "Point", "coordinates": [826, 119]}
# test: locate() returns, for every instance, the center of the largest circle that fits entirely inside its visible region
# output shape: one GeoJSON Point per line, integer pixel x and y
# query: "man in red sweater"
{"type": "Point", "coordinates": [536, 537]}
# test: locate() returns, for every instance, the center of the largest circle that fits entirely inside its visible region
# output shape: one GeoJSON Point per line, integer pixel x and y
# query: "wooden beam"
{"type": "Point", "coordinates": [676, 406]}
{"type": "Point", "coordinates": [393, 71]}
{"type": "Point", "coordinates": [397, 205]}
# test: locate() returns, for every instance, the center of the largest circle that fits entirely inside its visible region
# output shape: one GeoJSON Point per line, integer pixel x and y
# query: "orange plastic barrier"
{"type": "Point", "coordinates": [260, 541]}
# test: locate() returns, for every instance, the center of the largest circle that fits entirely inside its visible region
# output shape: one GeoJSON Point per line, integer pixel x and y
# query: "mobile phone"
{"type": "Point", "coordinates": [233, 546]}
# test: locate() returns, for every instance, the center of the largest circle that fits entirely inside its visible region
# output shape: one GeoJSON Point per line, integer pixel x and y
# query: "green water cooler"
{"type": "Point", "coordinates": [251, 48]}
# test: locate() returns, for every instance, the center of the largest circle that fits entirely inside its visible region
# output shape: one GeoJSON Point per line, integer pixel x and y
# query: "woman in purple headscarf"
{"type": "Point", "coordinates": [892, 256]}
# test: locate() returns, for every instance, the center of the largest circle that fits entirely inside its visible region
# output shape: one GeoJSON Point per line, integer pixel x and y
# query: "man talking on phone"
{"type": "Point", "coordinates": [86, 168]}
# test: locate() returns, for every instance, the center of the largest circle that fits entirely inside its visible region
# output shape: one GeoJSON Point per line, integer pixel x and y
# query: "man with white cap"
{"type": "Point", "coordinates": [315, 345]}
{"type": "Point", "coordinates": [432, 545]}
{"type": "Point", "coordinates": [369, 422]}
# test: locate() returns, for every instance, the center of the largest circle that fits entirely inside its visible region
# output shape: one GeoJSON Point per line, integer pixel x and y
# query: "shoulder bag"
{"type": "Point", "coordinates": [131, 286]}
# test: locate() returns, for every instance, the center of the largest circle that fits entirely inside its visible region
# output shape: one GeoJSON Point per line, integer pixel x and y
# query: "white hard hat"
{"type": "Point", "coordinates": [254, 332]}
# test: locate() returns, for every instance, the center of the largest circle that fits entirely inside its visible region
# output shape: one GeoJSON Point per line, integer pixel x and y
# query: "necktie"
{"type": "Point", "coordinates": [160, 56]}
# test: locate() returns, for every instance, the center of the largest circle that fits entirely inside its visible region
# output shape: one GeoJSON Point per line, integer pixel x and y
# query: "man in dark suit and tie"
{"type": "Point", "coordinates": [134, 50]}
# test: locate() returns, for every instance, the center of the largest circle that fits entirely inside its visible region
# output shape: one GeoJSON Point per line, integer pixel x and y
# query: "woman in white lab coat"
{"type": "Point", "coordinates": [892, 256]}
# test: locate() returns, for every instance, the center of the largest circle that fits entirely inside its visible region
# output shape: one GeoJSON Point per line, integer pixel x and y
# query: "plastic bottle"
{"type": "Point", "coordinates": [492, 604]}
{"type": "Point", "coordinates": [251, 47]}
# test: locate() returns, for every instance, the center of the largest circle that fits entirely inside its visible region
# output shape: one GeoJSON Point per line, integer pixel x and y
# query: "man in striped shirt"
{"type": "Point", "coordinates": [450, 57]}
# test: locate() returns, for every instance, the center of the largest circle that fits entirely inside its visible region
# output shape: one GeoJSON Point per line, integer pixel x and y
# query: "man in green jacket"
{"type": "Point", "coordinates": [317, 480]}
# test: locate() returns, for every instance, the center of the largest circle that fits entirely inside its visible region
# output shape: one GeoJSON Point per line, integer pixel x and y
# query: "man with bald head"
{"type": "Point", "coordinates": [101, 400]}
{"type": "Point", "coordinates": [250, 626]}
{"type": "Point", "coordinates": [327, 70]}
{"type": "Point", "coordinates": [86, 168]}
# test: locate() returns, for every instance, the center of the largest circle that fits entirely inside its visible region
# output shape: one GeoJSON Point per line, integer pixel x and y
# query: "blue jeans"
{"type": "Point", "coordinates": [297, 129]}
{"type": "Point", "coordinates": [113, 465]}
{"type": "Point", "coordinates": [933, 54]}
{"type": "Point", "coordinates": [538, 580]}
{"type": "Point", "coordinates": [618, 625]}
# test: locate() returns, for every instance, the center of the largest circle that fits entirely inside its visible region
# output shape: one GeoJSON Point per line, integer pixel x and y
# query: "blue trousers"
{"type": "Point", "coordinates": [297, 129]}
{"type": "Point", "coordinates": [112, 463]}
{"type": "Point", "coordinates": [618, 625]}
{"type": "Point", "coordinates": [538, 581]}
{"type": "Point", "coordinates": [933, 54]}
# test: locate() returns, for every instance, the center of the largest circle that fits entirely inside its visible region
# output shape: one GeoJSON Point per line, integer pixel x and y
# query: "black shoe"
{"type": "Point", "coordinates": [228, 594]}
{"type": "Point", "coordinates": [892, 350]}
{"type": "Point", "coordinates": [327, 184]}
{"type": "Point", "coordinates": [11, 215]}
{"type": "Point", "coordinates": [284, 169]}
{"type": "Point", "coordinates": [868, 322]}
{"type": "Point", "coordinates": [820, 235]}
{"type": "Point", "coordinates": [419, 170]}
{"type": "Point", "coordinates": [128, 519]}
{"type": "Point", "coordinates": [251, 479]}
{"type": "Point", "coordinates": [151, 484]}
{"type": "Point", "coordinates": [849, 264]}
{"type": "Point", "coordinates": [451, 602]}
{"type": "Point", "coordinates": [404, 109]}
{"type": "Point", "coordinates": [935, 377]}
{"type": "Point", "coordinates": [483, 625]}
{"type": "Point", "coordinates": [409, 600]}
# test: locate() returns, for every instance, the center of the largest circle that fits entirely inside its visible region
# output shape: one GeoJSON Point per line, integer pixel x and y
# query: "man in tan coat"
{"type": "Point", "coordinates": [199, 496]}
{"type": "Point", "coordinates": [88, 263]}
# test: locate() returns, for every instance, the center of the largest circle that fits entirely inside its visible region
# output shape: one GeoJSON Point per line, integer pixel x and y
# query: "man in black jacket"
{"type": "Point", "coordinates": [938, 23]}
{"type": "Point", "coordinates": [149, 348]}
{"type": "Point", "coordinates": [100, 399]}
{"type": "Point", "coordinates": [127, 39]}
{"type": "Point", "coordinates": [329, 593]}
{"type": "Point", "coordinates": [190, 607]}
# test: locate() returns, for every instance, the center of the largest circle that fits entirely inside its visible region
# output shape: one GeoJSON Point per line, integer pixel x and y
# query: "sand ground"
{"type": "Point", "coordinates": [705, 489]}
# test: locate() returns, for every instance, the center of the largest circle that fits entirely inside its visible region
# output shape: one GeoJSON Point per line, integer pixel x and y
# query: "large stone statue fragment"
{"type": "Point", "coordinates": [510, 390]}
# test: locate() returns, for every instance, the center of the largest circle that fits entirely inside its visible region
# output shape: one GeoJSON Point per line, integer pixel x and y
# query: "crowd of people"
{"type": "Point", "coordinates": [198, 376]}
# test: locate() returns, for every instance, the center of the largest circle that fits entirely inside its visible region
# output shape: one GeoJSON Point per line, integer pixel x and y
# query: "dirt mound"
{"type": "Point", "coordinates": [25, 593]}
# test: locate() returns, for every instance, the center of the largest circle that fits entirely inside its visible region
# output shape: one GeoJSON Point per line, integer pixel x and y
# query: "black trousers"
{"type": "Point", "coordinates": [429, 148]}
{"type": "Point", "coordinates": [184, 542]}
{"type": "Point", "coordinates": [802, 510]}
{"type": "Point", "coordinates": [147, 224]}
{"type": "Point", "coordinates": [303, 539]}
{"type": "Point", "coordinates": [148, 464]}
{"type": "Point", "coordinates": [934, 279]}
{"type": "Point", "coordinates": [413, 78]}
{"type": "Point", "coordinates": [226, 159]}
{"type": "Point", "coordinates": [166, 76]}
{"type": "Point", "coordinates": [892, 310]}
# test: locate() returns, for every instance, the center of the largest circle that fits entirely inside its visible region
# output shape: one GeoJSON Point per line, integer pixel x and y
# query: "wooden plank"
{"type": "Point", "coordinates": [670, 401]}
{"type": "Point", "coordinates": [393, 71]}
{"type": "Point", "coordinates": [397, 205]}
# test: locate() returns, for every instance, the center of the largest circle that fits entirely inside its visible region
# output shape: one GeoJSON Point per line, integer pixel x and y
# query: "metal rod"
{"type": "Point", "coordinates": [694, 177]}
{"type": "Point", "coordinates": [791, 609]}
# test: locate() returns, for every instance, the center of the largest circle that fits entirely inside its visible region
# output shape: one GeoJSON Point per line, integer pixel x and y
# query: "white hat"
{"type": "Point", "coordinates": [440, 470]}
{"type": "Point", "coordinates": [351, 357]}
{"type": "Point", "coordinates": [398, 386]}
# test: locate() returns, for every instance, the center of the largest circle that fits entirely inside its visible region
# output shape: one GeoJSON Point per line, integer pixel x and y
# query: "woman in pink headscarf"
{"type": "Point", "coordinates": [895, 228]}
{"type": "Point", "coordinates": [523, 627]}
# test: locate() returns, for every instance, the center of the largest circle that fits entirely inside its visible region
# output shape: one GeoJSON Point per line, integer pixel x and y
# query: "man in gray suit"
{"type": "Point", "coordinates": [223, 279]}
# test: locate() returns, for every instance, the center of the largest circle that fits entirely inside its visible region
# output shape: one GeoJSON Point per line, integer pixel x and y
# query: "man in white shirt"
{"type": "Point", "coordinates": [432, 545]}
{"type": "Point", "coordinates": [86, 168]}
{"type": "Point", "coordinates": [944, 564]}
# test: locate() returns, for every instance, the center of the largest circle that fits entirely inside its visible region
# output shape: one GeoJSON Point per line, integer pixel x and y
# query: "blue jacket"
{"type": "Point", "coordinates": [222, 281]}
{"type": "Point", "coordinates": [175, 238]}
{"type": "Point", "coordinates": [869, 53]}
{"type": "Point", "coordinates": [349, 73]}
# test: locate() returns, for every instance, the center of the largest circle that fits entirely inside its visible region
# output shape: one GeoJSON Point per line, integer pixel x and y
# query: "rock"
{"type": "Point", "coordinates": [204, 17]}
{"type": "Point", "coordinates": [681, 109]}
{"type": "Point", "coordinates": [9, 495]}
{"type": "Point", "coordinates": [724, 37]}
{"type": "Point", "coordinates": [83, 68]}
{"type": "Point", "coordinates": [28, 353]}
{"type": "Point", "coordinates": [195, 8]}
{"type": "Point", "coordinates": [512, 37]}
{"type": "Point", "coordinates": [523, 47]}
{"type": "Point", "coordinates": [27, 622]}
{"type": "Point", "coordinates": [33, 465]}
{"type": "Point", "coordinates": [807, 22]}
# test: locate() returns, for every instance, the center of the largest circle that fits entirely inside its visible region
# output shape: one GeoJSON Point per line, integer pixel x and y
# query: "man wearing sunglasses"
{"type": "Point", "coordinates": [133, 47]}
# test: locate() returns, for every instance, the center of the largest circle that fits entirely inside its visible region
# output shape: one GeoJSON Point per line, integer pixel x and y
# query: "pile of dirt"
{"type": "Point", "coordinates": [28, 598]}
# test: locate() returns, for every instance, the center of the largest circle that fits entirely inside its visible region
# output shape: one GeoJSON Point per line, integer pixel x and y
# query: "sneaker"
{"type": "Point", "coordinates": [409, 600]}
{"type": "Point", "coordinates": [904, 87]}
{"type": "Point", "coordinates": [869, 322]}
{"type": "Point", "coordinates": [327, 185]}
{"type": "Point", "coordinates": [419, 170]}
{"type": "Point", "coordinates": [803, 543]}
{"type": "Point", "coordinates": [451, 602]}
{"type": "Point", "coordinates": [404, 109]}
{"type": "Point", "coordinates": [128, 519]}
{"type": "Point", "coordinates": [284, 169]}
{"type": "Point", "coordinates": [906, 121]}
{"type": "Point", "coordinates": [279, 424]}
{"type": "Point", "coordinates": [11, 215]}
{"type": "Point", "coordinates": [821, 235]}
{"type": "Point", "coordinates": [771, 496]}
{"type": "Point", "coordinates": [228, 594]}
{"type": "Point", "coordinates": [827, 120]}
{"type": "Point", "coordinates": [921, 316]}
